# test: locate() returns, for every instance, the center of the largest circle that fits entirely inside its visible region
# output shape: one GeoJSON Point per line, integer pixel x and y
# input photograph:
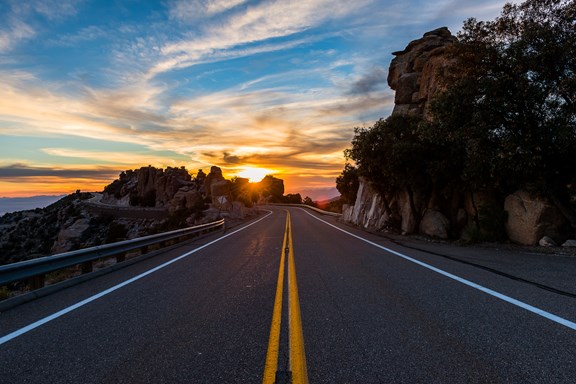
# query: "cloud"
{"type": "Point", "coordinates": [84, 35]}
{"type": "Point", "coordinates": [20, 22]}
{"type": "Point", "coordinates": [15, 32]}
{"type": "Point", "coordinates": [22, 170]}
{"type": "Point", "coordinates": [119, 159]}
{"type": "Point", "coordinates": [50, 9]}
{"type": "Point", "coordinates": [369, 82]}
{"type": "Point", "coordinates": [251, 24]}
{"type": "Point", "coordinates": [197, 10]}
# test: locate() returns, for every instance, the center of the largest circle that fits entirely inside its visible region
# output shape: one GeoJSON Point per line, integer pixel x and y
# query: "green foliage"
{"type": "Point", "coordinates": [272, 187]}
{"type": "Point", "coordinates": [347, 183]}
{"type": "Point", "coordinates": [510, 106]}
{"type": "Point", "coordinates": [293, 198]}
{"type": "Point", "coordinates": [490, 226]}
{"type": "Point", "coordinates": [402, 152]}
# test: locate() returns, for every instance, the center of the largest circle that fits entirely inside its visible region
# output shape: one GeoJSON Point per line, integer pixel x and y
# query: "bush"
{"type": "Point", "coordinates": [490, 226]}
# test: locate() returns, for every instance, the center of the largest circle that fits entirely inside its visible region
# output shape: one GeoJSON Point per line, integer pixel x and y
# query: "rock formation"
{"type": "Point", "coordinates": [416, 76]}
{"type": "Point", "coordinates": [416, 72]}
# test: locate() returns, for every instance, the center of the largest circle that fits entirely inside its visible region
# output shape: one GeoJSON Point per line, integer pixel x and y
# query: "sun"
{"type": "Point", "coordinates": [254, 174]}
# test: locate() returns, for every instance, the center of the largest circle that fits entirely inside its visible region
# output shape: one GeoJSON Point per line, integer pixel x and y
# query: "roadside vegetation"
{"type": "Point", "coordinates": [506, 121]}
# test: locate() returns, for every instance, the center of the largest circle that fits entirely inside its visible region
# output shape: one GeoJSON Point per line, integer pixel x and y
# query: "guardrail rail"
{"type": "Point", "coordinates": [35, 270]}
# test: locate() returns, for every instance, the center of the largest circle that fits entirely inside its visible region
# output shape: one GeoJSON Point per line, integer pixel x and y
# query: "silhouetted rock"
{"type": "Point", "coordinates": [213, 177]}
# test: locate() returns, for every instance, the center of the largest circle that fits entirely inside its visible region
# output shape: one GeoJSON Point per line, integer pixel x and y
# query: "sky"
{"type": "Point", "coordinates": [89, 88]}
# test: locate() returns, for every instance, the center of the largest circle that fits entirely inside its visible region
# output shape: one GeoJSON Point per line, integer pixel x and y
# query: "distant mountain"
{"type": "Point", "coordinates": [320, 194]}
{"type": "Point", "coordinates": [15, 204]}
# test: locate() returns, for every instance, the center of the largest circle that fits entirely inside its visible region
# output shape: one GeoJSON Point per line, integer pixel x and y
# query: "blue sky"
{"type": "Point", "coordinates": [89, 88]}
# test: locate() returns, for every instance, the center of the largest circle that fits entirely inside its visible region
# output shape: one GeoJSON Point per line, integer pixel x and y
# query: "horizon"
{"type": "Point", "coordinates": [89, 89]}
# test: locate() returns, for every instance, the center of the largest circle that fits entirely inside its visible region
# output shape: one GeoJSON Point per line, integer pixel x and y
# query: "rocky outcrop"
{"type": "Point", "coordinates": [215, 176]}
{"type": "Point", "coordinates": [157, 187]}
{"type": "Point", "coordinates": [368, 210]}
{"type": "Point", "coordinates": [530, 218]}
{"type": "Point", "coordinates": [416, 76]}
{"type": "Point", "coordinates": [416, 72]}
{"type": "Point", "coordinates": [68, 237]}
{"type": "Point", "coordinates": [186, 197]}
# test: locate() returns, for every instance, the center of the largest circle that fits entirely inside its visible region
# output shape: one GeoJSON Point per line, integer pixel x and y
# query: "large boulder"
{"type": "Point", "coordinates": [530, 218]}
{"type": "Point", "coordinates": [186, 197]}
{"type": "Point", "coordinates": [69, 236]}
{"type": "Point", "coordinates": [434, 224]}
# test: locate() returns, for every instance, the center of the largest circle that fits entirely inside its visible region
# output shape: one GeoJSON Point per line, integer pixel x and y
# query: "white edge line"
{"type": "Point", "coordinates": [518, 303]}
{"type": "Point", "coordinates": [90, 299]}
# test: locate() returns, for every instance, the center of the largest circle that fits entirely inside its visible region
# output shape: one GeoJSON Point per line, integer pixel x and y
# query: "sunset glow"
{"type": "Point", "coordinates": [249, 85]}
{"type": "Point", "coordinates": [255, 174]}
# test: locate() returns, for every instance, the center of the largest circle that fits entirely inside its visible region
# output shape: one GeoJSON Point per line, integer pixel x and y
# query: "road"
{"type": "Point", "coordinates": [371, 311]}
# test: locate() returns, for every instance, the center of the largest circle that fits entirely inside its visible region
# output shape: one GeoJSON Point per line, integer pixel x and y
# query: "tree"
{"type": "Point", "coordinates": [293, 198]}
{"type": "Point", "coordinates": [400, 153]}
{"type": "Point", "coordinates": [241, 190]}
{"type": "Point", "coordinates": [308, 201]}
{"type": "Point", "coordinates": [272, 187]}
{"type": "Point", "coordinates": [347, 183]}
{"type": "Point", "coordinates": [511, 101]}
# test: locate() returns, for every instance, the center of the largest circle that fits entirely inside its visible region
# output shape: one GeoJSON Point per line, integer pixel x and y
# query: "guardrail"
{"type": "Point", "coordinates": [36, 269]}
{"type": "Point", "coordinates": [323, 212]}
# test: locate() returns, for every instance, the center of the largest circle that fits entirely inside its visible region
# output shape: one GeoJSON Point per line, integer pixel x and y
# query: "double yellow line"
{"type": "Point", "coordinates": [296, 337]}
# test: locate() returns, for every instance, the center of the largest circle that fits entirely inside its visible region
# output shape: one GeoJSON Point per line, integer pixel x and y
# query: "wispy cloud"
{"type": "Point", "coordinates": [197, 10]}
{"type": "Point", "coordinates": [13, 32]}
{"type": "Point", "coordinates": [84, 35]}
{"type": "Point", "coordinates": [19, 18]}
{"type": "Point", "coordinates": [255, 23]}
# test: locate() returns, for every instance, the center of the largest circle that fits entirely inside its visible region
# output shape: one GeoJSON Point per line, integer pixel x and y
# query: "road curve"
{"type": "Point", "coordinates": [368, 315]}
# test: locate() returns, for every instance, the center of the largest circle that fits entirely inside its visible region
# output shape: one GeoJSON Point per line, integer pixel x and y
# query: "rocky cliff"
{"type": "Point", "coordinates": [418, 74]}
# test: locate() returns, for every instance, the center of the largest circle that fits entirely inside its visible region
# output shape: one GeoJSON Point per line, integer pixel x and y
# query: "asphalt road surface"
{"type": "Point", "coordinates": [371, 311]}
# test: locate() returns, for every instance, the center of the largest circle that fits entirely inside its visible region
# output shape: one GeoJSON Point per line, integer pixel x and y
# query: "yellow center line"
{"type": "Point", "coordinates": [299, 373]}
{"type": "Point", "coordinates": [297, 354]}
{"type": "Point", "coordinates": [271, 364]}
